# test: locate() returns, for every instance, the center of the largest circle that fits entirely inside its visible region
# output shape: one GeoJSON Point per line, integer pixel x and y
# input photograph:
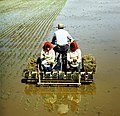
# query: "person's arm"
{"type": "Point", "coordinates": [42, 54]}
{"type": "Point", "coordinates": [43, 57]}
{"type": "Point", "coordinates": [79, 55]}
{"type": "Point", "coordinates": [51, 57]}
{"type": "Point", "coordinates": [54, 39]}
{"type": "Point", "coordinates": [70, 38]}
{"type": "Point", "coordinates": [68, 57]}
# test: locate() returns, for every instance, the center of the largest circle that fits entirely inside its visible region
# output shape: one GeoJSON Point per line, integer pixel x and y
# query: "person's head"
{"type": "Point", "coordinates": [73, 46]}
{"type": "Point", "coordinates": [60, 26]}
{"type": "Point", "coordinates": [47, 46]}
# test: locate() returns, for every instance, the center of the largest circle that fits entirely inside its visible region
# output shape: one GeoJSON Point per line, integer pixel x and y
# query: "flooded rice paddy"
{"type": "Point", "coordinates": [26, 24]}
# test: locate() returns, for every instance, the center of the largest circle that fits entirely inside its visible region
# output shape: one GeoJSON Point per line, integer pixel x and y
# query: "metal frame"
{"type": "Point", "coordinates": [51, 83]}
{"type": "Point", "coordinates": [82, 77]}
{"type": "Point", "coordinates": [43, 83]}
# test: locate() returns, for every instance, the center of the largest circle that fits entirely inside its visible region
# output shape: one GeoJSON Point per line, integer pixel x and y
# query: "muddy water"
{"type": "Point", "coordinates": [95, 25]}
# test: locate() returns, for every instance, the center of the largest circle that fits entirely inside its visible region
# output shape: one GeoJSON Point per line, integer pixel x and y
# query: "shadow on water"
{"type": "Point", "coordinates": [61, 99]}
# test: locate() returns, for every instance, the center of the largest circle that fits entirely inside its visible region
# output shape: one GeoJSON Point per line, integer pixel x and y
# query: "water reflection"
{"type": "Point", "coordinates": [61, 99]}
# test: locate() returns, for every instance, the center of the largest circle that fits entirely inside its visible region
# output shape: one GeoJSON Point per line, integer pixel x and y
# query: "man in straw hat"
{"type": "Point", "coordinates": [62, 39]}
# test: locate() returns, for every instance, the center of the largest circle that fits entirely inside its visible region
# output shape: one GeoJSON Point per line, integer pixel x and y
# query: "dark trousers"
{"type": "Point", "coordinates": [73, 69]}
{"type": "Point", "coordinates": [47, 69]}
{"type": "Point", "coordinates": [39, 62]}
{"type": "Point", "coordinates": [63, 51]}
{"type": "Point", "coordinates": [42, 67]}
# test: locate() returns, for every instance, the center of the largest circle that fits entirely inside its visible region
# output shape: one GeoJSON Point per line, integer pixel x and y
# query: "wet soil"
{"type": "Point", "coordinates": [25, 25]}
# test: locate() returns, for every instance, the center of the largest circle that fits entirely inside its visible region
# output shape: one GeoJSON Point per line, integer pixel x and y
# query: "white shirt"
{"type": "Point", "coordinates": [74, 55]}
{"type": "Point", "coordinates": [62, 37]}
{"type": "Point", "coordinates": [50, 56]}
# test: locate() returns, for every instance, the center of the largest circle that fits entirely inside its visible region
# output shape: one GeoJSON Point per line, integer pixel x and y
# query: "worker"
{"type": "Point", "coordinates": [74, 57]}
{"type": "Point", "coordinates": [47, 57]}
{"type": "Point", "coordinates": [62, 39]}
